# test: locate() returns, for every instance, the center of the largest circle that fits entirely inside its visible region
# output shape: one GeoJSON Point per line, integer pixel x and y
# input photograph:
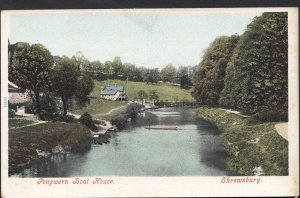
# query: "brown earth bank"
{"type": "Point", "coordinates": [253, 147]}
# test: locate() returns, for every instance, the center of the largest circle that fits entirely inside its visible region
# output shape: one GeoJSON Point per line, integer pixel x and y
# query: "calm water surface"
{"type": "Point", "coordinates": [194, 149]}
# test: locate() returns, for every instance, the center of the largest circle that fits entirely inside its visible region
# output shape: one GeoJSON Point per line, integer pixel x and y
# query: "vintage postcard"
{"type": "Point", "coordinates": [150, 102]}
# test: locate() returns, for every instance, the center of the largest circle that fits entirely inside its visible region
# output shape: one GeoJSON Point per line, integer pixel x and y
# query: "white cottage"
{"type": "Point", "coordinates": [113, 92]}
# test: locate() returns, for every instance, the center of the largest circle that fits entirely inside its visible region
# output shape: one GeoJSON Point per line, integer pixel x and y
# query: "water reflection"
{"type": "Point", "coordinates": [195, 149]}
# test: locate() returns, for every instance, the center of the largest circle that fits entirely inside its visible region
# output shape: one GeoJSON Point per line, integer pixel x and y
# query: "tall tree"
{"type": "Point", "coordinates": [142, 94]}
{"type": "Point", "coordinates": [30, 68]}
{"type": "Point", "coordinates": [257, 76]}
{"type": "Point", "coordinates": [64, 80]}
{"type": "Point", "coordinates": [153, 95]}
{"type": "Point", "coordinates": [117, 67]}
{"type": "Point", "coordinates": [80, 61]}
{"type": "Point", "coordinates": [168, 73]}
{"type": "Point", "coordinates": [84, 87]}
{"type": "Point", "coordinates": [151, 75]}
{"type": "Point", "coordinates": [108, 68]}
{"type": "Point", "coordinates": [209, 77]}
{"type": "Point", "coordinates": [184, 77]}
{"type": "Point", "coordinates": [97, 69]}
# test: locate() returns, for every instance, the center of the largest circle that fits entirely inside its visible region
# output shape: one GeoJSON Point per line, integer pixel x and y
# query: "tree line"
{"type": "Point", "coordinates": [33, 67]}
{"type": "Point", "coordinates": [115, 69]}
{"type": "Point", "coordinates": [248, 72]}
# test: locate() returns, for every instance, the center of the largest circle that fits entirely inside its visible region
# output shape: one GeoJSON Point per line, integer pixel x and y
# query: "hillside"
{"type": "Point", "coordinates": [165, 91]}
{"type": "Point", "coordinates": [251, 145]}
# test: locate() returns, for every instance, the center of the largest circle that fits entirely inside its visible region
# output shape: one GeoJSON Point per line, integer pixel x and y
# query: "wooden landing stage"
{"type": "Point", "coordinates": [162, 127]}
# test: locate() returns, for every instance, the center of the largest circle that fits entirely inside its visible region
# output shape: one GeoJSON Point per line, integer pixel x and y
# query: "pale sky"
{"type": "Point", "coordinates": [144, 39]}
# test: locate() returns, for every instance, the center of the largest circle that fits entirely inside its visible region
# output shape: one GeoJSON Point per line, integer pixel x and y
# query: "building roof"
{"type": "Point", "coordinates": [112, 89]}
{"type": "Point", "coordinates": [12, 85]}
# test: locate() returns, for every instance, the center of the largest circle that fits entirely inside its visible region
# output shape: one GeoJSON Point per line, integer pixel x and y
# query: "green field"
{"type": "Point", "coordinates": [249, 143]}
{"type": "Point", "coordinates": [96, 106]}
{"type": "Point", "coordinates": [165, 91]}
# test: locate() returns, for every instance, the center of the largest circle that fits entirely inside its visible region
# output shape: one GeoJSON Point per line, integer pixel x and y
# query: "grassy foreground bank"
{"type": "Point", "coordinates": [250, 143]}
{"type": "Point", "coordinates": [24, 142]}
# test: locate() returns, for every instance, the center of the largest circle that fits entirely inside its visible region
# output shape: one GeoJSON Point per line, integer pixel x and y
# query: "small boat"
{"type": "Point", "coordinates": [162, 127]}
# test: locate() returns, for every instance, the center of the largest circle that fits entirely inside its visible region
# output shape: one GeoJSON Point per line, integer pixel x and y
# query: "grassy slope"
{"type": "Point", "coordinates": [24, 141]}
{"type": "Point", "coordinates": [165, 91]}
{"type": "Point", "coordinates": [18, 122]}
{"type": "Point", "coordinates": [270, 152]}
{"type": "Point", "coordinates": [97, 106]}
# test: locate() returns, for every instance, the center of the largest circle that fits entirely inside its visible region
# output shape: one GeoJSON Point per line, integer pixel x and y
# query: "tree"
{"type": "Point", "coordinates": [30, 68]}
{"type": "Point", "coordinates": [184, 77]}
{"type": "Point", "coordinates": [80, 61]}
{"type": "Point", "coordinates": [84, 87]}
{"type": "Point", "coordinates": [151, 76]}
{"type": "Point", "coordinates": [108, 68]}
{"type": "Point", "coordinates": [87, 120]}
{"type": "Point", "coordinates": [209, 77]}
{"type": "Point", "coordinates": [153, 95]}
{"type": "Point", "coordinates": [142, 94]}
{"type": "Point", "coordinates": [168, 73]}
{"type": "Point", "coordinates": [64, 80]}
{"type": "Point", "coordinates": [257, 75]}
{"type": "Point", "coordinates": [131, 72]}
{"type": "Point", "coordinates": [117, 67]}
{"type": "Point", "coordinates": [97, 70]}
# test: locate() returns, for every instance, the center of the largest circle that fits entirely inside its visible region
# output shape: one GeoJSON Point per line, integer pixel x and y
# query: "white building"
{"type": "Point", "coordinates": [18, 95]}
{"type": "Point", "coordinates": [113, 92]}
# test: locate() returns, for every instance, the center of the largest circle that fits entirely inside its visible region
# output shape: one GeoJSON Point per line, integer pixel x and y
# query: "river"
{"type": "Point", "coordinates": [195, 149]}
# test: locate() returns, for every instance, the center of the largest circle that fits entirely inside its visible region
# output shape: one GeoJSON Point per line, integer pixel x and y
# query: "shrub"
{"type": "Point", "coordinates": [132, 110]}
{"type": "Point", "coordinates": [11, 113]}
{"type": "Point", "coordinates": [269, 114]}
{"type": "Point", "coordinates": [30, 108]}
{"type": "Point", "coordinates": [48, 107]}
{"type": "Point", "coordinates": [119, 121]}
{"type": "Point", "coordinates": [86, 119]}
{"type": "Point", "coordinates": [64, 118]}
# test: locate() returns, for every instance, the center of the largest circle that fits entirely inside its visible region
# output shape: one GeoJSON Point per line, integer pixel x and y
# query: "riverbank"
{"type": "Point", "coordinates": [253, 147]}
{"type": "Point", "coordinates": [31, 143]}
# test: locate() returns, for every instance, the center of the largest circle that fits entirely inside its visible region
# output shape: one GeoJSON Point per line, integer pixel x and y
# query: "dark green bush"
{"type": "Point", "coordinates": [86, 119]}
{"type": "Point", "coordinates": [132, 110]}
{"type": "Point", "coordinates": [11, 113]}
{"type": "Point", "coordinates": [64, 118]}
{"type": "Point", "coordinates": [48, 107]}
{"type": "Point", "coordinates": [119, 121]}
{"type": "Point", "coordinates": [15, 105]}
{"type": "Point", "coordinates": [271, 114]}
{"type": "Point", "coordinates": [30, 108]}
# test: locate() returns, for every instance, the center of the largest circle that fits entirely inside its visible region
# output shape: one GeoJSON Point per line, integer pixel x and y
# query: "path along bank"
{"type": "Point", "coordinates": [253, 147]}
{"type": "Point", "coordinates": [36, 141]}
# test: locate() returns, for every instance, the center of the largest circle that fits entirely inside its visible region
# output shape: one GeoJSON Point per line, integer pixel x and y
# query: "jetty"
{"type": "Point", "coordinates": [162, 127]}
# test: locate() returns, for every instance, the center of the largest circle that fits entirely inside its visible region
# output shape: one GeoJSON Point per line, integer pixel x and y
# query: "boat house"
{"type": "Point", "coordinates": [113, 92]}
